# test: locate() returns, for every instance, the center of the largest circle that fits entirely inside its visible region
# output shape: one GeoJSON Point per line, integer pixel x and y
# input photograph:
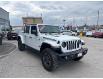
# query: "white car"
{"type": "Point", "coordinates": [51, 44]}
{"type": "Point", "coordinates": [89, 33]}
{"type": "Point", "coordinates": [74, 33]}
{"type": "Point", "coordinates": [69, 32]}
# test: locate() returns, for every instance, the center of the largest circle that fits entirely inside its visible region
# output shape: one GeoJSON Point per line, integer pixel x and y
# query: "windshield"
{"type": "Point", "coordinates": [49, 29]}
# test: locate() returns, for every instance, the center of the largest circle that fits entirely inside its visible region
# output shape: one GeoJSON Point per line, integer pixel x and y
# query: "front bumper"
{"type": "Point", "coordinates": [13, 36]}
{"type": "Point", "coordinates": [82, 50]}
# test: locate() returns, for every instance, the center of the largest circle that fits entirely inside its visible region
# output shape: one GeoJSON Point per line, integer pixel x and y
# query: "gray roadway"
{"type": "Point", "coordinates": [28, 64]}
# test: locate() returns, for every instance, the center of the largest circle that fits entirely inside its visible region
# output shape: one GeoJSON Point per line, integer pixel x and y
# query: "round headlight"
{"type": "Point", "coordinates": [63, 44]}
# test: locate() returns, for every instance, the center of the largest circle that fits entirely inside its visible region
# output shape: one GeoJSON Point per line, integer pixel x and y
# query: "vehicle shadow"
{"type": "Point", "coordinates": [64, 66]}
{"type": "Point", "coordinates": [33, 52]}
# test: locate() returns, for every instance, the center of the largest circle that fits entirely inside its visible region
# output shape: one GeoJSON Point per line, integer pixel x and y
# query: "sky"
{"type": "Point", "coordinates": [54, 12]}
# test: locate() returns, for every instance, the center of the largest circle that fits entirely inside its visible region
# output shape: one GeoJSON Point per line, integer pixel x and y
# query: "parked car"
{"type": "Point", "coordinates": [98, 33]}
{"type": "Point", "coordinates": [12, 35]}
{"type": "Point", "coordinates": [74, 33]}
{"type": "Point", "coordinates": [89, 33]}
{"type": "Point", "coordinates": [67, 32]}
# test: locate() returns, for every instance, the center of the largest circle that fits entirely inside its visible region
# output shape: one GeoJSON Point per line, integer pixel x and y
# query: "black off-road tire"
{"type": "Point", "coordinates": [49, 59]}
{"type": "Point", "coordinates": [8, 38]}
{"type": "Point", "coordinates": [78, 58]}
{"type": "Point", "coordinates": [95, 37]}
{"type": "Point", "coordinates": [21, 46]}
{"type": "Point", "coordinates": [87, 36]}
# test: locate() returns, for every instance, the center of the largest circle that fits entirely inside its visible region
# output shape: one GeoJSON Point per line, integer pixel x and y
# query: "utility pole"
{"type": "Point", "coordinates": [42, 17]}
{"type": "Point", "coordinates": [98, 20]}
{"type": "Point", "coordinates": [64, 22]}
{"type": "Point", "coordinates": [86, 20]}
{"type": "Point", "coordinates": [73, 23]}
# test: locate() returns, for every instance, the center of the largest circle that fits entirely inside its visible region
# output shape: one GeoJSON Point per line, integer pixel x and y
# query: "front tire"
{"type": "Point", "coordinates": [49, 59]}
{"type": "Point", "coordinates": [21, 46]}
{"type": "Point", "coordinates": [8, 38]}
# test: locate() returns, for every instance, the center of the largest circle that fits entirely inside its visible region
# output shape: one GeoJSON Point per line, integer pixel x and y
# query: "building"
{"type": "Point", "coordinates": [4, 20]}
{"type": "Point", "coordinates": [32, 20]}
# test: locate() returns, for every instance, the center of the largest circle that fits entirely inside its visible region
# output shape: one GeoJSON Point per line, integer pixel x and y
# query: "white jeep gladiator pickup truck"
{"type": "Point", "coordinates": [51, 44]}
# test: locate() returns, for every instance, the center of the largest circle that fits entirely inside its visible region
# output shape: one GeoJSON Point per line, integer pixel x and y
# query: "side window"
{"type": "Point", "coordinates": [34, 30]}
{"type": "Point", "coordinates": [27, 29]}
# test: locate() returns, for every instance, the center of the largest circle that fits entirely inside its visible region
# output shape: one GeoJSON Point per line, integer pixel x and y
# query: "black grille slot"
{"type": "Point", "coordinates": [78, 44]}
{"type": "Point", "coordinates": [67, 45]}
{"type": "Point", "coordinates": [75, 44]}
{"type": "Point", "coordinates": [70, 44]}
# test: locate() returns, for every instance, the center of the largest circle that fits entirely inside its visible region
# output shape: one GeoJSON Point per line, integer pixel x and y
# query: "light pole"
{"type": "Point", "coordinates": [98, 19]}
{"type": "Point", "coordinates": [64, 23]}
{"type": "Point", "coordinates": [42, 17]}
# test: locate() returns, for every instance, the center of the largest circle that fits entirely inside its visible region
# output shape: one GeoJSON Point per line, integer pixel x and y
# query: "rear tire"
{"type": "Point", "coordinates": [95, 37]}
{"type": "Point", "coordinates": [49, 59]}
{"type": "Point", "coordinates": [87, 36]}
{"type": "Point", "coordinates": [21, 46]}
{"type": "Point", "coordinates": [8, 38]}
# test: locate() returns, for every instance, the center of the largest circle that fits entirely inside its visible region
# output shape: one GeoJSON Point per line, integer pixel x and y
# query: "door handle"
{"type": "Point", "coordinates": [30, 37]}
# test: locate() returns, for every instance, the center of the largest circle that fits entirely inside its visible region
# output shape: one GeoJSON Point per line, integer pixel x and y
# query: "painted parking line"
{"type": "Point", "coordinates": [12, 50]}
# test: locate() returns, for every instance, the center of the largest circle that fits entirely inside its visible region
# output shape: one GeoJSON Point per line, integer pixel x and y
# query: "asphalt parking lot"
{"type": "Point", "coordinates": [6, 48]}
{"type": "Point", "coordinates": [28, 64]}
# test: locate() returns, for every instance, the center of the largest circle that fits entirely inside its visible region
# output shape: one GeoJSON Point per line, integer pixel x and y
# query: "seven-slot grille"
{"type": "Point", "coordinates": [73, 44]}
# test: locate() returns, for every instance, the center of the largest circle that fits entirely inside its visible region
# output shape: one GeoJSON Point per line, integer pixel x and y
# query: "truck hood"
{"type": "Point", "coordinates": [59, 37]}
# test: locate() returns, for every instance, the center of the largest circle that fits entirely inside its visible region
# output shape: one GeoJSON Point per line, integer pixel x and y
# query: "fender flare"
{"type": "Point", "coordinates": [22, 38]}
{"type": "Point", "coordinates": [47, 45]}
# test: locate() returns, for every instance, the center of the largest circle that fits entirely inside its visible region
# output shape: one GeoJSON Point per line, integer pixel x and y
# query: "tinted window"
{"type": "Point", "coordinates": [27, 29]}
{"type": "Point", "coordinates": [33, 30]}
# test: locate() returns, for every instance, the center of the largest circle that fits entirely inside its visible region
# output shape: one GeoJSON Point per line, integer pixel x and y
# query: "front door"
{"type": "Point", "coordinates": [26, 35]}
{"type": "Point", "coordinates": [35, 41]}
